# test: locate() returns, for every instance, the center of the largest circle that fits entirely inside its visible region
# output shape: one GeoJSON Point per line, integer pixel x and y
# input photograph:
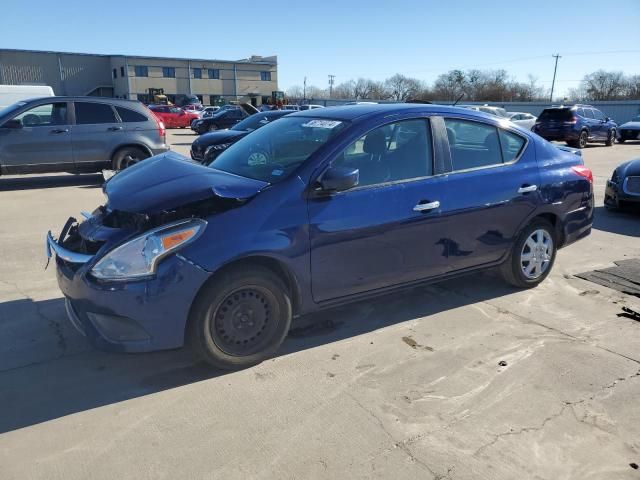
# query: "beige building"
{"type": "Point", "coordinates": [213, 81]}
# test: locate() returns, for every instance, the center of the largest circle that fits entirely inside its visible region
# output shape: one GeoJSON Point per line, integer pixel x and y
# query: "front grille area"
{"type": "Point", "coordinates": [632, 185]}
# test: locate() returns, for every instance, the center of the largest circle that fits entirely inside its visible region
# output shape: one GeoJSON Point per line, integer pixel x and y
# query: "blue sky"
{"type": "Point", "coordinates": [349, 39]}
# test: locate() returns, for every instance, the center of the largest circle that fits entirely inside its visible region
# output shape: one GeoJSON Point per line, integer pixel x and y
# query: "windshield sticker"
{"type": "Point", "coordinates": [277, 172]}
{"type": "Point", "coordinates": [257, 158]}
{"type": "Point", "coordinates": [322, 124]}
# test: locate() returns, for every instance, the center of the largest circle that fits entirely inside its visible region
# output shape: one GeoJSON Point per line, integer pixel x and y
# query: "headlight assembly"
{"type": "Point", "coordinates": [216, 148]}
{"type": "Point", "coordinates": [138, 257]}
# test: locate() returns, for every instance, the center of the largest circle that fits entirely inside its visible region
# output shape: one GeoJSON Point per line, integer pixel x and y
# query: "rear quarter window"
{"type": "Point", "coordinates": [511, 145]}
{"type": "Point", "coordinates": [129, 116]}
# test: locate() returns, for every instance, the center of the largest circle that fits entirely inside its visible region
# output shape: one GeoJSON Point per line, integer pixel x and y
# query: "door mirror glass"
{"type": "Point", "coordinates": [339, 179]}
{"type": "Point", "coordinates": [13, 123]}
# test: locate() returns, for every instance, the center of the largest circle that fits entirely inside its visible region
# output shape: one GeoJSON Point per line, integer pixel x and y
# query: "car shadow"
{"type": "Point", "coordinates": [48, 370]}
{"type": "Point", "coordinates": [625, 221]}
{"type": "Point", "coordinates": [32, 182]}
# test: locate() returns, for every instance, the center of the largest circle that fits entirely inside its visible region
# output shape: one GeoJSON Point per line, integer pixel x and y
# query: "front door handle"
{"type": "Point", "coordinates": [60, 130]}
{"type": "Point", "coordinates": [422, 207]}
{"type": "Point", "coordinates": [114, 129]}
{"type": "Point", "coordinates": [527, 188]}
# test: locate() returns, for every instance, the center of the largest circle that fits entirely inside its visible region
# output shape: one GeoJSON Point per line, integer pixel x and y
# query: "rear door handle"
{"type": "Point", "coordinates": [60, 130]}
{"type": "Point", "coordinates": [527, 188]}
{"type": "Point", "coordinates": [422, 207]}
{"type": "Point", "coordinates": [114, 129]}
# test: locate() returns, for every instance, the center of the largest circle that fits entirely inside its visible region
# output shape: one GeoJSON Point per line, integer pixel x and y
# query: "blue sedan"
{"type": "Point", "coordinates": [320, 208]}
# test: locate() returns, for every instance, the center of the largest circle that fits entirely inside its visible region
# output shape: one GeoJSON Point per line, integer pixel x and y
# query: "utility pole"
{"type": "Point", "coordinates": [553, 82]}
{"type": "Point", "coordinates": [304, 89]}
{"type": "Point", "coordinates": [331, 81]}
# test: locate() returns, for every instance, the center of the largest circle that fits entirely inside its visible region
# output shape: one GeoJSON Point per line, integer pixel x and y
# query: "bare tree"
{"type": "Point", "coordinates": [295, 91]}
{"type": "Point", "coordinates": [602, 85]}
{"type": "Point", "coordinates": [344, 90]}
{"type": "Point", "coordinates": [401, 88]}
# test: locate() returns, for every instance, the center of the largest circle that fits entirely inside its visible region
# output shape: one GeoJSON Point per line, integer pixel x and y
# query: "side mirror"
{"type": "Point", "coordinates": [13, 123]}
{"type": "Point", "coordinates": [339, 179]}
{"type": "Point", "coordinates": [607, 119]}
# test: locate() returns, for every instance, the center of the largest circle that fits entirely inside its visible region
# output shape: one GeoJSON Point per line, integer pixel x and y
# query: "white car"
{"type": "Point", "coordinates": [522, 119]}
{"type": "Point", "coordinates": [310, 107]}
{"type": "Point", "coordinates": [209, 111]}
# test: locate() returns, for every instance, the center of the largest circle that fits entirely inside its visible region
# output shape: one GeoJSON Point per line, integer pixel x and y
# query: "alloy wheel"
{"type": "Point", "coordinates": [536, 254]}
{"type": "Point", "coordinates": [582, 141]}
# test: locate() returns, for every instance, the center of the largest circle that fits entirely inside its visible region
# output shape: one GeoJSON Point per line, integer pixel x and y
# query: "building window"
{"type": "Point", "coordinates": [122, 71]}
{"type": "Point", "coordinates": [214, 73]}
{"type": "Point", "coordinates": [215, 100]}
{"type": "Point", "coordinates": [169, 72]}
{"type": "Point", "coordinates": [197, 73]}
{"type": "Point", "coordinates": [142, 71]}
{"type": "Point", "coordinates": [115, 73]}
{"type": "Point", "coordinates": [265, 76]}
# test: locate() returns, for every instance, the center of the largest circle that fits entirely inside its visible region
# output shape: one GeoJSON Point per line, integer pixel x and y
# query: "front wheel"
{"type": "Point", "coordinates": [532, 256]}
{"type": "Point", "coordinates": [611, 138]}
{"type": "Point", "coordinates": [240, 318]}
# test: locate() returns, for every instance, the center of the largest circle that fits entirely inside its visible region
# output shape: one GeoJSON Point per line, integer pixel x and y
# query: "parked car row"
{"type": "Point", "coordinates": [311, 210]}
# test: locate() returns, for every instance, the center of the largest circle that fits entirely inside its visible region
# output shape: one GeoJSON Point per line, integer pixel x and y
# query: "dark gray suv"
{"type": "Point", "coordinates": [77, 135]}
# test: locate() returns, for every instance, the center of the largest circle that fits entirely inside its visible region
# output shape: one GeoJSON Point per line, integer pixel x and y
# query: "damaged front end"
{"type": "Point", "coordinates": [126, 286]}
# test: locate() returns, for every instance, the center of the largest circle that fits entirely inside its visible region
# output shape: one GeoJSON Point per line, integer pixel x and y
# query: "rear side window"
{"type": "Point", "coordinates": [588, 113]}
{"type": "Point", "coordinates": [128, 116]}
{"type": "Point", "coordinates": [92, 113]}
{"type": "Point", "coordinates": [580, 112]}
{"type": "Point", "coordinates": [511, 145]}
{"type": "Point", "coordinates": [395, 152]}
{"type": "Point", "coordinates": [472, 144]}
{"type": "Point", "coordinates": [557, 114]}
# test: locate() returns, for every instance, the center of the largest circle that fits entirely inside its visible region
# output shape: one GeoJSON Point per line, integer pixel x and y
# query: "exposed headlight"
{"type": "Point", "coordinates": [139, 256]}
{"type": "Point", "coordinates": [199, 122]}
{"type": "Point", "coordinates": [219, 147]}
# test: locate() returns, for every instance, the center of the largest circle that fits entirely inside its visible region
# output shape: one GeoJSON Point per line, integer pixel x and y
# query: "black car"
{"type": "Point", "coordinates": [630, 130]}
{"type": "Point", "coordinates": [225, 118]}
{"type": "Point", "coordinates": [207, 147]}
{"type": "Point", "coordinates": [624, 186]}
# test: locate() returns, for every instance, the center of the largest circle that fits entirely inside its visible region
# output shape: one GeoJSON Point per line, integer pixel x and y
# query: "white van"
{"type": "Point", "coordinates": [10, 94]}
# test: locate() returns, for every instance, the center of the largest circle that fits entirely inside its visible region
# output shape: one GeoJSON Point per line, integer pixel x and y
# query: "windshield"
{"type": "Point", "coordinates": [254, 122]}
{"type": "Point", "coordinates": [273, 152]}
{"type": "Point", "coordinates": [6, 110]}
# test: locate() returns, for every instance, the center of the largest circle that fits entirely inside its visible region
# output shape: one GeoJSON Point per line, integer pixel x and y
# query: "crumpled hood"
{"type": "Point", "coordinates": [631, 125]}
{"type": "Point", "coordinates": [214, 138]}
{"type": "Point", "coordinates": [170, 180]}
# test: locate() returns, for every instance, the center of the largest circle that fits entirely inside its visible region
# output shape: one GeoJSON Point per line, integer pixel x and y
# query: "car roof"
{"type": "Point", "coordinates": [364, 111]}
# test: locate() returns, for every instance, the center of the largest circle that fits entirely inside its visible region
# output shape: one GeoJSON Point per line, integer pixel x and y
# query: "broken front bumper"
{"type": "Point", "coordinates": [136, 316]}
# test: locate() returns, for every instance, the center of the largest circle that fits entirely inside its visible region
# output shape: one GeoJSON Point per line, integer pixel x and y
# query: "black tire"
{"type": "Point", "coordinates": [512, 269]}
{"type": "Point", "coordinates": [127, 156]}
{"type": "Point", "coordinates": [212, 128]}
{"type": "Point", "coordinates": [582, 139]}
{"type": "Point", "coordinates": [252, 312]}
{"type": "Point", "coordinates": [611, 138]}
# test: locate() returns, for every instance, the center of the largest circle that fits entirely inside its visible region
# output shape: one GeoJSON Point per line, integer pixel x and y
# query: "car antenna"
{"type": "Point", "coordinates": [458, 99]}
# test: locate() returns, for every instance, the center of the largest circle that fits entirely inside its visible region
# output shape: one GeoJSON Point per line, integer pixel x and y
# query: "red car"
{"type": "Point", "coordinates": [172, 116]}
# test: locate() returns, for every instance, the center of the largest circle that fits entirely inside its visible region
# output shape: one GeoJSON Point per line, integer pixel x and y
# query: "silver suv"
{"type": "Point", "coordinates": [77, 135]}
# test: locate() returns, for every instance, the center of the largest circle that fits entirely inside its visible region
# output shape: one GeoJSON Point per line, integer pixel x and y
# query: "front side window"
{"type": "Point", "coordinates": [89, 113]}
{"type": "Point", "coordinates": [214, 73]}
{"type": "Point", "coordinates": [142, 71]}
{"type": "Point", "coordinates": [47, 115]}
{"type": "Point", "coordinates": [273, 152]}
{"type": "Point", "coordinates": [588, 113]}
{"type": "Point", "coordinates": [393, 152]}
{"type": "Point", "coordinates": [169, 72]}
{"type": "Point", "coordinates": [472, 144]}
{"type": "Point", "coordinates": [265, 76]}
{"type": "Point", "coordinates": [598, 114]}
{"type": "Point", "coordinates": [176, 110]}
{"type": "Point", "coordinates": [197, 73]}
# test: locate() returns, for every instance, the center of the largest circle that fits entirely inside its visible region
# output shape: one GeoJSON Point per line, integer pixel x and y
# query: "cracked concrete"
{"type": "Point", "coordinates": [407, 386]}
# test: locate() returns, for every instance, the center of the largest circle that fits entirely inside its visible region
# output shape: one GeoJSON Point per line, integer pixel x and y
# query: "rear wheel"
{"type": "Point", "coordinates": [128, 156]}
{"type": "Point", "coordinates": [582, 139]}
{"type": "Point", "coordinates": [240, 318]}
{"type": "Point", "coordinates": [611, 138]}
{"type": "Point", "coordinates": [532, 256]}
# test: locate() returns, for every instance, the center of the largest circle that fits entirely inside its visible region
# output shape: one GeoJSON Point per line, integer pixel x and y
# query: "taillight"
{"type": "Point", "coordinates": [583, 172]}
{"type": "Point", "coordinates": [161, 130]}
{"type": "Point", "coordinates": [572, 120]}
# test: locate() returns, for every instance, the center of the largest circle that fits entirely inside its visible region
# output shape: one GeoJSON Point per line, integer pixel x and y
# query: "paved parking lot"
{"type": "Point", "coordinates": [407, 386]}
